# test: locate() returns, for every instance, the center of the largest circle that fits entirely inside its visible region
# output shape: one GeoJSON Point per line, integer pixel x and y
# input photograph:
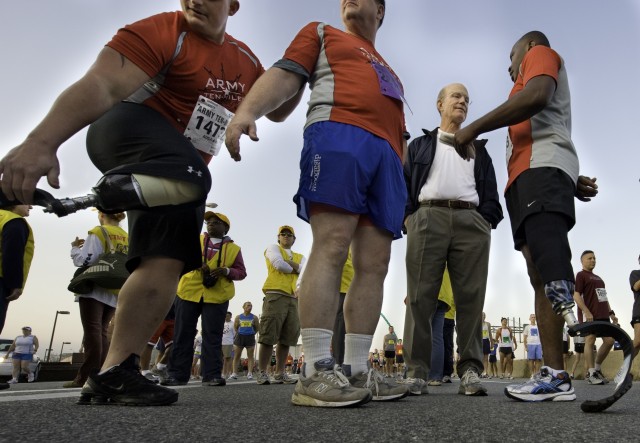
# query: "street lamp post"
{"type": "Point", "coordinates": [61, 348]}
{"type": "Point", "coordinates": [54, 331]}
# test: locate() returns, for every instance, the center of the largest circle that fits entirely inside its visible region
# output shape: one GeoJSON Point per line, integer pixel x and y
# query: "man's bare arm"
{"type": "Point", "coordinates": [111, 79]}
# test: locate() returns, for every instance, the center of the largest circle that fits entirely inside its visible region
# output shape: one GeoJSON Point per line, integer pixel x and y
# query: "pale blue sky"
{"type": "Point", "coordinates": [47, 45]}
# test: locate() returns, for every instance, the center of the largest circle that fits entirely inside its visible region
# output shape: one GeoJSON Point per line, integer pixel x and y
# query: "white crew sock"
{"type": "Point", "coordinates": [356, 352]}
{"type": "Point", "coordinates": [317, 346]}
{"type": "Point", "coordinates": [598, 366]}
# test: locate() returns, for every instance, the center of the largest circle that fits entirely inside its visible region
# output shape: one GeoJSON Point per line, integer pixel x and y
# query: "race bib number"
{"type": "Point", "coordinates": [602, 294]}
{"type": "Point", "coordinates": [389, 85]}
{"type": "Point", "coordinates": [485, 334]}
{"type": "Point", "coordinates": [207, 126]}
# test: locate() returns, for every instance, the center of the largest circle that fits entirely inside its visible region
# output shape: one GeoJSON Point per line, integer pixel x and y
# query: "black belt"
{"type": "Point", "coordinates": [453, 204]}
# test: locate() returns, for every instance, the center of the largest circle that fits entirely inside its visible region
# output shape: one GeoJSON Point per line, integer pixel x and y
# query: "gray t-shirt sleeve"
{"type": "Point", "coordinates": [289, 65]}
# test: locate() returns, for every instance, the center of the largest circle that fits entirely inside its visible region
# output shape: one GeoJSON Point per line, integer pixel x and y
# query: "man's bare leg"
{"type": "Point", "coordinates": [636, 337]}
{"type": "Point", "coordinates": [604, 349]}
{"type": "Point", "coordinates": [371, 252]}
{"type": "Point", "coordinates": [589, 355]}
{"type": "Point", "coordinates": [282, 352]}
{"type": "Point", "coordinates": [264, 357]}
{"type": "Point", "coordinates": [332, 235]}
{"type": "Point", "coordinates": [250, 360]}
{"type": "Point", "coordinates": [143, 303]}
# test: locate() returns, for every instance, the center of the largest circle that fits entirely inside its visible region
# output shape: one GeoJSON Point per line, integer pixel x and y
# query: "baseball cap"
{"type": "Point", "coordinates": [28, 328]}
{"type": "Point", "coordinates": [286, 228]}
{"type": "Point", "coordinates": [218, 215]}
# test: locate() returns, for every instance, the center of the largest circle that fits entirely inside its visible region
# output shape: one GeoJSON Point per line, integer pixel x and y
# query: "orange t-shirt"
{"type": "Point", "coordinates": [543, 140]}
{"type": "Point", "coordinates": [223, 72]}
{"type": "Point", "coordinates": [345, 84]}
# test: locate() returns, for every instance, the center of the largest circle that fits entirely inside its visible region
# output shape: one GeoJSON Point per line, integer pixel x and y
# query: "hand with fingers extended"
{"type": "Point", "coordinates": [586, 188]}
{"type": "Point", "coordinates": [241, 123]}
{"type": "Point", "coordinates": [22, 168]}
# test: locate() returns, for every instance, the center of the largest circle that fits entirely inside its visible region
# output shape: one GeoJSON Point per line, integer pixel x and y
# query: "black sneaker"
{"type": "Point", "coordinates": [215, 382]}
{"type": "Point", "coordinates": [172, 381]}
{"type": "Point", "coordinates": [4, 386]}
{"type": "Point", "coordinates": [125, 385]}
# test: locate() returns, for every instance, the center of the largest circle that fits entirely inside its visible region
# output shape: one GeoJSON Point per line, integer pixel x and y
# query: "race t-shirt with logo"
{"type": "Point", "coordinates": [544, 140]}
{"type": "Point", "coordinates": [533, 335]}
{"type": "Point", "coordinates": [505, 338]}
{"type": "Point", "coordinates": [202, 71]}
{"type": "Point", "coordinates": [350, 82]}
{"type": "Point", "coordinates": [594, 295]}
{"type": "Point", "coordinates": [390, 341]}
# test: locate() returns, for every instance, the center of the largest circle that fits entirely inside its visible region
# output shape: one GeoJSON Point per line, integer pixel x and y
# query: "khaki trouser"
{"type": "Point", "coordinates": [459, 239]}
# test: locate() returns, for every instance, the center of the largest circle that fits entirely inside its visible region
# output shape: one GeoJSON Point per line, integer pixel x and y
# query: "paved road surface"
{"type": "Point", "coordinates": [245, 412]}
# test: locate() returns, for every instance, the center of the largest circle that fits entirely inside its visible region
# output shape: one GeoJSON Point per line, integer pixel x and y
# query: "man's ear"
{"type": "Point", "coordinates": [234, 7]}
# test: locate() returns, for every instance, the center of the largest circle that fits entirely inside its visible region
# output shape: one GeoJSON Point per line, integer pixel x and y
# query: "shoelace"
{"type": "Point", "coordinates": [336, 376]}
{"type": "Point", "coordinates": [375, 377]}
{"type": "Point", "coordinates": [410, 381]}
{"type": "Point", "coordinates": [472, 377]}
{"type": "Point", "coordinates": [134, 375]}
{"type": "Point", "coordinates": [536, 378]}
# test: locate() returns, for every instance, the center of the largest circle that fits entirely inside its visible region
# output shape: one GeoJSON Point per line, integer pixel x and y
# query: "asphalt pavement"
{"type": "Point", "coordinates": [243, 411]}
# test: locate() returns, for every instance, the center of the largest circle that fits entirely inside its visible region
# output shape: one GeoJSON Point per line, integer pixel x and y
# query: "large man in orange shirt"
{"type": "Point", "coordinates": [351, 191]}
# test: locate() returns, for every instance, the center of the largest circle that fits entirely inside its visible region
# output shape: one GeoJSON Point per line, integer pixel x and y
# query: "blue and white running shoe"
{"type": "Point", "coordinates": [543, 386]}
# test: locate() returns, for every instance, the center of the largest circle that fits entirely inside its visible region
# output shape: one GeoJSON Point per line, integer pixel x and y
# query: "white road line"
{"type": "Point", "coordinates": [47, 394]}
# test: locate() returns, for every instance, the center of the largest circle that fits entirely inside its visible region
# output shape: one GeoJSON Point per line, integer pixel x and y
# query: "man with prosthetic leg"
{"type": "Point", "coordinates": [544, 178]}
{"type": "Point", "coordinates": [153, 149]}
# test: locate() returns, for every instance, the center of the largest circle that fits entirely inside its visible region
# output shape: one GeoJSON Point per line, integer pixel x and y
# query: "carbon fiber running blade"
{"type": "Point", "coordinates": [623, 378]}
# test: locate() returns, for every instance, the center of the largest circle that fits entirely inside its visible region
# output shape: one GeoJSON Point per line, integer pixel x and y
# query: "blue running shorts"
{"type": "Point", "coordinates": [350, 168]}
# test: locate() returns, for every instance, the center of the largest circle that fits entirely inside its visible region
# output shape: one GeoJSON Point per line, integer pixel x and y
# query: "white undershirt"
{"type": "Point", "coordinates": [450, 177]}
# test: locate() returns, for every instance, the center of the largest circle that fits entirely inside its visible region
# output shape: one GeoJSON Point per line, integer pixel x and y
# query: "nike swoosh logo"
{"type": "Point", "coordinates": [116, 389]}
{"type": "Point", "coordinates": [529, 205]}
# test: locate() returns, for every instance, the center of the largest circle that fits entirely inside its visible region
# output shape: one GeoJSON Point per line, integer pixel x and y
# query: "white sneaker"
{"type": "Point", "coordinates": [249, 376]}
{"type": "Point", "coordinates": [327, 387]}
{"type": "Point", "coordinates": [263, 378]}
{"type": "Point", "coordinates": [381, 388]}
{"type": "Point", "coordinates": [417, 386]}
{"type": "Point", "coordinates": [593, 377]}
{"type": "Point", "coordinates": [470, 384]}
{"type": "Point", "coordinates": [31, 377]}
{"type": "Point", "coordinates": [13, 381]}
{"type": "Point", "coordinates": [543, 387]}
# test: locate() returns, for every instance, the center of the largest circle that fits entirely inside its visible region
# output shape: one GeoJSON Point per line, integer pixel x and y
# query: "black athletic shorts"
{"type": "Point", "coordinates": [539, 190]}
{"type": "Point", "coordinates": [486, 346]}
{"type": "Point", "coordinates": [133, 138]}
{"type": "Point", "coordinates": [245, 341]}
{"type": "Point", "coordinates": [635, 313]}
